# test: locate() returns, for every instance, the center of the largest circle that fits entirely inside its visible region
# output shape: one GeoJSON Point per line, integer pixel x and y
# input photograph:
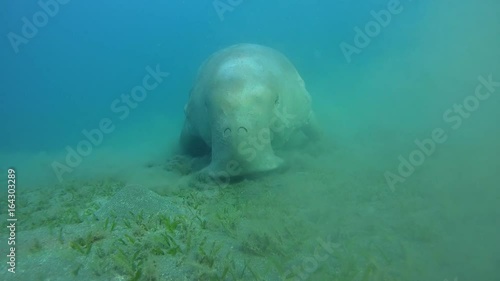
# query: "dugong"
{"type": "Point", "coordinates": [247, 100]}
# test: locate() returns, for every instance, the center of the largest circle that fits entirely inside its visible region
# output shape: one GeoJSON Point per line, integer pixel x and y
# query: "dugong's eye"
{"type": "Point", "coordinates": [277, 100]}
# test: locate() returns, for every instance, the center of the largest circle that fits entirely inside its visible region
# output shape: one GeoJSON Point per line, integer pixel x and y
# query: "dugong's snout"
{"type": "Point", "coordinates": [244, 151]}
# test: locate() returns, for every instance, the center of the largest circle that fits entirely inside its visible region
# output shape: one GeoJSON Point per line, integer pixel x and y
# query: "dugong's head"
{"type": "Point", "coordinates": [242, 111]}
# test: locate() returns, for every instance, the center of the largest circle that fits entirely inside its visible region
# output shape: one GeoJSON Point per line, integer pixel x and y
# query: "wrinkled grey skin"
{"type": "Point", "coordinates": [246, 101]}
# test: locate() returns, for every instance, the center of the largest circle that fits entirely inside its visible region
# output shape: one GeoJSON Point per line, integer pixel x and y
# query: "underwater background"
{"type": "Point", "coordinates": [403, 186]}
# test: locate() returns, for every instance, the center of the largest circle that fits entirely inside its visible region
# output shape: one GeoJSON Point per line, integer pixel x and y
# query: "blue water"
{"type": "Point", "coordinates": [90, 53]}
{"type": "Point", "coordinates": [68, 75]}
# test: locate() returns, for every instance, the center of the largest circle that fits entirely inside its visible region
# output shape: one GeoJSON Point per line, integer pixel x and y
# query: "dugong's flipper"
{"type": "Point", "coordinates": [312, 129]}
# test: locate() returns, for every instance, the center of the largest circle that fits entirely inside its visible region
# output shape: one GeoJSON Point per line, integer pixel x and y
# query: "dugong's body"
{"type": "Point", "coordinates": [247, 100]}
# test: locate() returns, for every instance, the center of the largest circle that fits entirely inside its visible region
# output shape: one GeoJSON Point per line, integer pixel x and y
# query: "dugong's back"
{"type": "Point", "coordinates": [246, 61]}
{"type": "Point", "coordinates": [236, 66]}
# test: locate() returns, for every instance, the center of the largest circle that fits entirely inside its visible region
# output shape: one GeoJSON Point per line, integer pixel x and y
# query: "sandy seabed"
{"type": "Point", "coordinates": [330, 216]}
